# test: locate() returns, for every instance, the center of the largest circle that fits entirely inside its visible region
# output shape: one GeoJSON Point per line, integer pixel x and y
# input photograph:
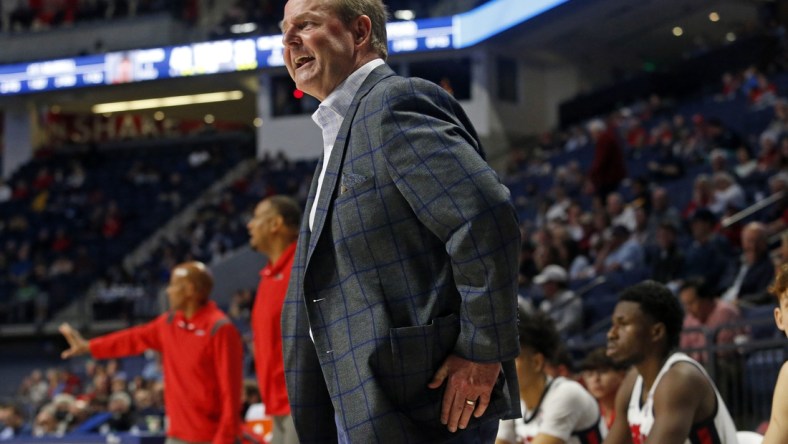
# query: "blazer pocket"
{"type": "Point", "coordinates": [351, 185]}
{"type": "Point", "coordinates": [417, 352]}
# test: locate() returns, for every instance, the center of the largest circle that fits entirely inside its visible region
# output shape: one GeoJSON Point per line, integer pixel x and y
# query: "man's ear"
{"type": "Point", "coordinates": [778, 318]}
{"type": "Point", "coordinates": [362, 29]}
{"type": "Point", "coordinates": [658, 331]}
{"type": "Point", "coordinates": [277, 222]}
{"type": "Point", "coordinates": [539, 361]}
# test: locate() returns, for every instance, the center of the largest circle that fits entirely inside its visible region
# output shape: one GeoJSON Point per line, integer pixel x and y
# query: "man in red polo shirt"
{"type": "Point", "coordinates": [202, 356]}
{"type": "Point", "coordinates": [273, 231]}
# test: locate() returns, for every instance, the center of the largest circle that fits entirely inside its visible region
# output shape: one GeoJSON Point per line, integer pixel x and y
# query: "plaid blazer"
{"type": "Point", "coordinates": [413, 256]}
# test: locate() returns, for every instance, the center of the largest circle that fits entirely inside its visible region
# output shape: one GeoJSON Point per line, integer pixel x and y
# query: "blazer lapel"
{"type": "Point", "coordinates": [335, 161]}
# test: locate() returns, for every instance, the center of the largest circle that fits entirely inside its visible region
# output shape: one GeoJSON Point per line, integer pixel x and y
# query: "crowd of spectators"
{"type": "Point", "coordinates": [68, 221]}
{"type": "Point", "coordinates": [27, 15]}
{"type": "Point", "coordinates": [665, 215]}
{"type": "Point", "coordinates": [18, 16]}
{"type": "Point", "coordinates": [217, 230]}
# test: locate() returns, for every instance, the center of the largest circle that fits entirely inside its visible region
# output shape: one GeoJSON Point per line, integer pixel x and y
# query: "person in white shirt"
{"type": "Point", "coordinates": [555, 410]}
{"type": "Point", "coordinates": [667, 397]}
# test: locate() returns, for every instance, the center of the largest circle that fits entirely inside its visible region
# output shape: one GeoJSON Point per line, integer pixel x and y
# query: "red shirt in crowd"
{"type": "Point", "coordinates": [267, 329]}
{"type": "Point", "coordinates": [202, 362]}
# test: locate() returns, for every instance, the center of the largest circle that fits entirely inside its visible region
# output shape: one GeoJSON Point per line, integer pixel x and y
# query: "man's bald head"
{"type": "Point", "coordinates": [197, 274]}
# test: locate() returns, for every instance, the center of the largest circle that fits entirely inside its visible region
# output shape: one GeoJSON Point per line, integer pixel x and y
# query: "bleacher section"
{"type": "Point", "coordinates": [85, 209]}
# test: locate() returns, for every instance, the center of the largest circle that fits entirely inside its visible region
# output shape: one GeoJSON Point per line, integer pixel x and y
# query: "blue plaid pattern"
{"type": "Point", "coordinates": [412, 256]}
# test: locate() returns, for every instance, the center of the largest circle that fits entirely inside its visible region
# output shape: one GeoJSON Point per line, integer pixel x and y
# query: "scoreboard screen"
{"type": "Point", "coordinates": [243, 54]}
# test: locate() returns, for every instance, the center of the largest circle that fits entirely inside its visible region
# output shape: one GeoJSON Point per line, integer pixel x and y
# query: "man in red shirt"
{"type": "Point", "coordinates": [202, 358]}
{"type": "Point", "coordinates": [273, 231]}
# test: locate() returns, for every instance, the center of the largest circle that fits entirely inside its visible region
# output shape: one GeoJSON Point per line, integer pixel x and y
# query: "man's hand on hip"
{"type": "Point", "coordinates": [468, 388]}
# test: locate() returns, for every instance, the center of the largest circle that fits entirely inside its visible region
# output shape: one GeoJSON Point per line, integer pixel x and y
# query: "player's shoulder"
{"type": "Point", "coordinates": [683, 376]}
{"type": "Point", "coordinates": [570, 389]}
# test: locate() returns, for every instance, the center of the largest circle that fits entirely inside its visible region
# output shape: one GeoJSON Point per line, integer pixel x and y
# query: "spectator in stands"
{"type": "Point", "coordinates": [273, 231]}
{"type": "Point", "coordinates": [721, 137]}
{"type": "Point", "coordinates": [204, 354]}
{"type": "Point", "coordinates": [755, 269]}
{"type": "Point", "coordinates": [608, 168]}
{"type": "Point", "coordinates": [12, 422]}
{"type": "Point", "coordinates": [718, 160]}
{"type": "Point", "coordinates": [668, 397]}
{"type": "Point", "coordinates": [702, 195]}
{"type": "Point", "coordinates": [577, 139]}
{"type": "Point", "coordinates": [706, 257]}
{"type": "Point", "coordinates": [554, 409]}
{"type": "Point", "coordinates": [619, 213]}
{"type": "Point", "coordinates": [704, 313]}
{"type": "Point", "coordinates": [731, 84]}
{"type": "Point", "coordinates": [665, 258]}
{"type": "Point", "coordinates": [640, 193]}
{"type": "Point", "coordinates": [666, 164]}
{"type": "Point", "coordinates": [642, 234]}
{"type": "Point", "coordinates": [602, 377]}
{"type": "Point", "coordinates": [112, 224]}
{"type": "Point", "coordinates": [121, 418]}
{"type": "Point", "coordinates": [727, 194]}
{"type": "Point", "coordinates": [561, 304]}
{"type": "Point", "coordinates": [765, 92]}
{"type": "Point", "coordinates": [34, 388]}
{"type": "Point", "coordinates": [662, 211]}
{"type": "Point", "coordinates": [21, 190]}
{"type": "Point", "coordinates": [149, 417]}
{"type": "Point", "coordinates": [777, 433]}
{"type": "Point", "coordinates": [745, 164]}
{"type": "Point", "coordinates": [46, 424]}
{"type": "Point", "coordinates": [621, 252]}
{"type": "Point", "coordinates": [769, 156]}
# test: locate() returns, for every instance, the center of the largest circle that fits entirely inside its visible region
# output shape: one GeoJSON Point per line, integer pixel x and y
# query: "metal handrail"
{"type": "Point", "coordinates": [752, 209]}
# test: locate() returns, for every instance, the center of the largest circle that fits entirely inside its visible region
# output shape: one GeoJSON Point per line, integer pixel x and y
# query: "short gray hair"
{"type": "Point", "coordinates": [349, 10]}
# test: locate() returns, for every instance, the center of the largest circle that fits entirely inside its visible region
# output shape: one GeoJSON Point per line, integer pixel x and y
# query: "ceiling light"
{"type": "Point", "coordinates": [714, 17]}
{"type": "Point", "coordinates": [404, 14]}
{"type": "Point", "coordinates": [163, 102]}
{"type": "Point", "coordinates": [677, 31]}
{"type": "Point", "coordinates": [158, 115]}
{"type": "Point", "coordinates": [209, 119]}
{"type": "Point", "coordinates": [731, 37]}
{"type": "Point", "coordinates": [258, 122]}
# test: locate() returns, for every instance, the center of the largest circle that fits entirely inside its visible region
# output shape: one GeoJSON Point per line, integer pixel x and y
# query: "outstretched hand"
{"type": "Point", "coordinates": [77, 344]}
{"type": "Point", "coordinates": [468, 388]}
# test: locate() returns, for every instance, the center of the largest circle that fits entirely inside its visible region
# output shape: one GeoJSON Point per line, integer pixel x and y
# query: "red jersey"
{"type": "Point", "coordinates": [202, 363]}
{"type": "Point", "coordinates": [267, 329]}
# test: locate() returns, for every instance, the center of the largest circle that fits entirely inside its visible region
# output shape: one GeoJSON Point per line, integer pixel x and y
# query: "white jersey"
{"type": "Point", "coordinates": [566, 411]}
{"type": "Point", "coordinates": [718, 429]}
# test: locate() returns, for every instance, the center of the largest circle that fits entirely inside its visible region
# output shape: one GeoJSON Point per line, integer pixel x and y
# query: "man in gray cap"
{"type": "Point", "coordinates": [560, 303]}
